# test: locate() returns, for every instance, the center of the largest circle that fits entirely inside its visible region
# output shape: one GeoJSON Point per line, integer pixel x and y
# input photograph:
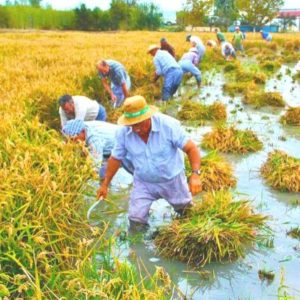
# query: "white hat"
{"type": "Point", "coordinates": [152, 47]}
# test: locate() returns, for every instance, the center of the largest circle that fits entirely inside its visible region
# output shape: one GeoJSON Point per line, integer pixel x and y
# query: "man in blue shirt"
{"type": "Point", "coordinates": [120, 80]}
{"type": "Point", "coordinates": [99, 137]}
{"type": "Point", "coordinates": [266, 36]}
{"type": "Point", "coordinates": [166, 66]}
{"type": "Point", "coordinates": [153, 142]}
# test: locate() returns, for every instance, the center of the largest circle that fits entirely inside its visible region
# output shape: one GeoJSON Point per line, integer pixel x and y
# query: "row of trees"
{"type": "Point", "coordinates": [223, 12]}
{"type": "Point", "coordinates": [122, 14]}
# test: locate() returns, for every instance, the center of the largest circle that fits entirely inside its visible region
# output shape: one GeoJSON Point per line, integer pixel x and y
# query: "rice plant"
{"type": "Point", "coordinates": [218, 228]}
{"type": "Point", "coordinates": [230, 139]}
{"type": "Point", "coordinates": [259, 98]}
{"type": "Point", "coordinates": [282, 172]}
{"type": "Point", "coordinates": [291, 116]}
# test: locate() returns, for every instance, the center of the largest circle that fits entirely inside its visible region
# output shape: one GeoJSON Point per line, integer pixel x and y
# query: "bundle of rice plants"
{"type": "Point", "coordinates": [256, 77]}
{"type": "Point", "coordinates": [231, 66]}
{"type": "Point", "coordinates": [233, 88]}
{"type": "Point", "coordinates": [292, 45]}
{"type": "Point", "coordinates": [259, 98]}
{"type": "Point", "coordinates": [216, 229]}
{"type": "Point", "coordinates": [230, 139]}
{"type": "Point", "coordinates": [270, 65]}
{"type": "Point", "coordinates": [291, 116]}
{"type": "Point", "coordinates": [193, 111]}
{"type": "Point", "coordinates": [282, 172]}
{"type": "Point", "coordinates": [216, 172]}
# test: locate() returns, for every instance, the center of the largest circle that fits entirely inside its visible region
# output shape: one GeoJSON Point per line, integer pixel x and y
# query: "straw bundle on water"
{"type": "Point", "coordinates": [260, 98]}
{"type": "Point", "coordinates": [193, 111]}
{"type": "Point", "coordinates": [230, 139]}
{"type": "Point", "coordinates": [233, 88]}
{"type": "Point", "coordinates": [292, 116]}
{"type": "Point", "coordinates": [282, 171]}
{"type": "Point", "coordinates": [216, 172]}
{"type": "Point", "coordinates": [216, 229]}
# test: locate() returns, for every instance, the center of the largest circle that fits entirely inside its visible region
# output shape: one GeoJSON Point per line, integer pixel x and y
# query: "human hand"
{"type": "Point", "coordinates": [195, 184]}
{"type": "Point", "coordinates": [113, 98]}
{"type": "Point", "coordinates": [102, 192]}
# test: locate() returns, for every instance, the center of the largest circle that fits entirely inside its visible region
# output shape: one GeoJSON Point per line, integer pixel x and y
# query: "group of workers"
{"type": "Point", "coordinates": [147, 144]}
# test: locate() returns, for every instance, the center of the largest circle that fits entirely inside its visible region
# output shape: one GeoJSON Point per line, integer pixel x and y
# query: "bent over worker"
{"type": "Point", "coordinates": [80, 107]}
{"type": "Point", "coordinates": [154, 143]}
{"type": "Point", "coordinates": [166, 66]}
{"type": "Point", "coordinates": [120, 80]}
{"type": "Point", "coordinates": [99, 137]}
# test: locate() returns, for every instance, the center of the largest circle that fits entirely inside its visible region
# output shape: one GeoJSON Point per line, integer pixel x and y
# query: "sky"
{"type": "Point", "coordinates": [168, 7]}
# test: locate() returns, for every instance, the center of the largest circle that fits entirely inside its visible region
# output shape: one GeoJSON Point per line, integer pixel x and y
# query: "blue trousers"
{"type": "Point", "coordinates": [101, 114]}
{"type": "Point", "coordinates": [172, 81]}
{"type": "Point", "coordinates": [188, 67]}
{"type": "Point", "coordinates": [117, 90]}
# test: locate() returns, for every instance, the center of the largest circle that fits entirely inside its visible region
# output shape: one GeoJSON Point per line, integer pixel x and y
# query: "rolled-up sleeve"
{"type": "Point", "coordinates": [119, 151]}
{"type": "Point", "coordinates": [179, 136]}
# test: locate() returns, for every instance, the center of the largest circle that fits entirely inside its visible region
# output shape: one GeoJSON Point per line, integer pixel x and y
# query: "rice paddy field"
{"type": "Point", "coordinates": [240, 240]}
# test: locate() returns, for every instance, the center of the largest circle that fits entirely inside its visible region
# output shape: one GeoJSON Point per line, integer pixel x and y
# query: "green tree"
{"type": "Point", "coordinates": [83, 18]}
{"type": "Point", "coordinates": [225, 12]}
{"type": "Point", "coordinates": [35, 3]}
{"type": "Point", "coordinates": [195, 12]}
{"type": "Point", "coordinates": [258, 12]}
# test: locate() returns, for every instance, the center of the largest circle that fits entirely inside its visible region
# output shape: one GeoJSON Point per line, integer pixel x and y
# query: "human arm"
{"type": "Point", "coordinates": [63, 117]}
{"type": "Point", "coordinates": [125, 89]}
{"type": "Point", "coordinates": [108, 89]}
{"type": "Point", "coordinates": [193, 154]}
{"type": "Point", "coordinates": [113, 166]}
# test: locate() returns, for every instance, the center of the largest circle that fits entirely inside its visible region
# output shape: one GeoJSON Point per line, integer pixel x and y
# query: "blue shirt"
{"type": "Point", "coordinates": [117, 72]}
{"type": "Point", "coordinates": [100, 139]}
{"type": "Point", "coordinates": [163, 62]}
{"type": "Point", "coordinates": [161, 159]}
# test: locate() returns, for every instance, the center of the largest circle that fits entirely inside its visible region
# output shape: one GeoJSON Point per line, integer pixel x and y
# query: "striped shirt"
{"type": "Point", "coordinates": [85, 109]}
{"type": "Point", "coordinates": [117, 73]}
{"type": "Point", "coordinates": [163, 62]}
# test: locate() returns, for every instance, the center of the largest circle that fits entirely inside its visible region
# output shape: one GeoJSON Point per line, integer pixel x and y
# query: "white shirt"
{"type": "Point", "coordinates": [85, 109]}
{"type": "Point", "coordinates": [196, 40]}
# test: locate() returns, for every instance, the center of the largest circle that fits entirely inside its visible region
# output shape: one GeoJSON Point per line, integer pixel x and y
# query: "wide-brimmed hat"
{"type": "Point", "coordinates": [136, 110]}
{"type": "Point", "coordinates": [237, 28]}
{"type": "Point", "coordinates": [152, 47]}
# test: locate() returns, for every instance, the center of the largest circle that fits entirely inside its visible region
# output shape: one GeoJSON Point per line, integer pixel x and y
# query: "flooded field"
{"type": "Point", "coordinates": [240, 279]}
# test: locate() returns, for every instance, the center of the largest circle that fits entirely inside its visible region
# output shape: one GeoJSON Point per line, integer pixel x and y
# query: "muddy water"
{"type": "Point", "coordinates": [238, 280]}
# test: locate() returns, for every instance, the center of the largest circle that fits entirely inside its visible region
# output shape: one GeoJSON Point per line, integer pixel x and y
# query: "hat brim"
{"type": "Point", "coordinates": [131, 121]}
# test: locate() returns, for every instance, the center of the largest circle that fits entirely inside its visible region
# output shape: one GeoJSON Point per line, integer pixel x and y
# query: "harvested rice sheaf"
{"type": "Point", "coordinates": [282, 172]}
{"type": "Point", "coordinates": [260, 98]}
{"type": "Point", "coordinates": [230, 139]}
{"type": "Point", "coordinates": [246, 76]}
{"type": "Point", "coordinates": [216, 172]}
{"type": "Point", "coordinates": [292, 116]}
{"type": "Point", "coordinates": [193, 111]}
{"type": "Point", "coordinates": [233, 88]}
{"type": "Point", "coordinates": [270, 66]}
{"type": "Point", "coordinates": [216, 229]}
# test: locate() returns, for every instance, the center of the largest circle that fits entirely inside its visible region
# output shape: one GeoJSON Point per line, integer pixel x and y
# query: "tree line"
{"type": "Point", "coordinates": [122, 15]}
{"type": "Point", "coordinates": [223, 13]}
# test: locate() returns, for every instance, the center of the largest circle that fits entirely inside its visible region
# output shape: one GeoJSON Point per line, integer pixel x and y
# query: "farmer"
{"type": "Point", "coordinates": [227, 51]}
{"type": "Point", "coordinates": [197, 43]}
{"type": "Point", "coordinates": [153, 142]}
{"type": "Point", "coordinates": [164, 45]}
{"type": "Point", "coordinates": [211, 43]}
{"type": "Point", "coordinates": [266, 36]}
{"type": "Point", "coordinates": [220, 36]}
{"type": "Point", "coordinates": [237, 39]}
{"type": "Point", "coordinates": [166, 66]}
{"type": "Point", "coordinates": [189, 62]}
{"type": "Point", "coordinates": [99, 137]}
{"type": "Point", "coordinates": [80, 107]}
{"type": "Point", "coordinates": [120, 80]}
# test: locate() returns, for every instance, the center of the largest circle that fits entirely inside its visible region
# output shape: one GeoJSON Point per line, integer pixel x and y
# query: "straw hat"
{"type": "Point", "coordinates": [152, 47]}
{"type": "Point", "coordinates": [136, 110]}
